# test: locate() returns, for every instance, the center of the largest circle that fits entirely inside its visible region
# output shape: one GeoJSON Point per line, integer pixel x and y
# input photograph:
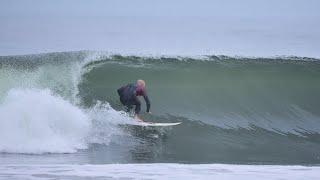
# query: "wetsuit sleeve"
{"type": "Point", "coordinates": [146, 98]}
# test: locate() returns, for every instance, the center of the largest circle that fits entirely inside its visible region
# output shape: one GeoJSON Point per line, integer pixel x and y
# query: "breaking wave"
{"type": "Point", "coordinates": [65, 102]}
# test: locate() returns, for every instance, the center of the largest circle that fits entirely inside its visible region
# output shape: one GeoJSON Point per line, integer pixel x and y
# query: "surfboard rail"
{"type": "Point", "coordinates": [152, 124]}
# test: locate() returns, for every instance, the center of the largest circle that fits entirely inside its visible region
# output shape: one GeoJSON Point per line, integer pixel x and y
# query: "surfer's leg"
{"type": "Point", "coordinates": [122, 101]}
{"type": "Point", "coordinates": [126, 103]}
{"type": "Point", "coordinates": [138, 107]}
{"type": "Point", "coordinates": [135, 102]}
{"type": "Point", "coordinates": [137, 111]}
{"type": "Point", "coordinates": [128, 108]}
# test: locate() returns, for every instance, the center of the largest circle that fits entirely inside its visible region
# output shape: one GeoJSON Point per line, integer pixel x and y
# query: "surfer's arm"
{"type": "Point", "coordinates": [146, 98]}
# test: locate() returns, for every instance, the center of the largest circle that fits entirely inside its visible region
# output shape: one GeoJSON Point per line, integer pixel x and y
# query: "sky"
{"type": "Point", "coordinates": [178, 27]}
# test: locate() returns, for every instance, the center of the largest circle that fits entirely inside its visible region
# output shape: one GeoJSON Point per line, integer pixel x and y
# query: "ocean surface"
{"type": "Point", "coordinates": [245, 117]}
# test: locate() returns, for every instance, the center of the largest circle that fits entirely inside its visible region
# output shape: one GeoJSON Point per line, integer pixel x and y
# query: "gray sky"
{"type": "Point", "coordinates": [232, 27]}
{"type": "Point", "coordinates": [248, 8]}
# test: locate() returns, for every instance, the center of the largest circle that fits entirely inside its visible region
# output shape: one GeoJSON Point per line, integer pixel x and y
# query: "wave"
{"type": "Point", "coordinates": [39, 107]}
{"type": "Point", "coordinates": [64, 102]}
{"type": "Point", "coordinates": [273, 93]}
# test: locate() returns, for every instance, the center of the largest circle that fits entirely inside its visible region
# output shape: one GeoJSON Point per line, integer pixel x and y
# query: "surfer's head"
{"type": "Point", "coordinates": [141, 83]}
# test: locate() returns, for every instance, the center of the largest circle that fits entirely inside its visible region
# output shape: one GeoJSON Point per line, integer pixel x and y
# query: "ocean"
{"type": "Point", "coordinates": [242, 117]}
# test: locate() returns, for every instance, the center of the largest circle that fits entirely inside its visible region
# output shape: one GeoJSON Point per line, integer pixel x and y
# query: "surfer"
{"type": "Point", "coordinates": [129, 96]}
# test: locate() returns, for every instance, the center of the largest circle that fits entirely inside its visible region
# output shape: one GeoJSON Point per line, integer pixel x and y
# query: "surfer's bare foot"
{"type": "Point", "coordinates": [136, 117]}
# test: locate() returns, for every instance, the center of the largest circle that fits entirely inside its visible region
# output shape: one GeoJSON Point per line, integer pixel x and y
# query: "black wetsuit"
{"type": "Point", "coordinates": [129, 97]}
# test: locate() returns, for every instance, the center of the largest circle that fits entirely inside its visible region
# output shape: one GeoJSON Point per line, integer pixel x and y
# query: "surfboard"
{"type": "Point", "coordinates": [156, 124]}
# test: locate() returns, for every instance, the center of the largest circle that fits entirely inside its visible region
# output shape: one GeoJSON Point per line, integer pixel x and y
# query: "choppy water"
{"type": "Point", "coordinates": [63, 108]}
{"type": "Point", "coordinates": [157, 171]}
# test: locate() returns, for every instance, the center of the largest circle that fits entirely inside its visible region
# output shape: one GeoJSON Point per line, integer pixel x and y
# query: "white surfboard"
{"type": "Point", "coordinates": [156, 124]}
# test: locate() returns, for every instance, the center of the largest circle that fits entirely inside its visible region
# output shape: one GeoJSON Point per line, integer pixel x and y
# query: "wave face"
{"type": "Point", "coordinates": [233, 109]}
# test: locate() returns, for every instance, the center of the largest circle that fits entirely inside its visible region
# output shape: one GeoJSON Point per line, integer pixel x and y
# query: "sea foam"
{"type": "Point", "coordinates": [36, 121]}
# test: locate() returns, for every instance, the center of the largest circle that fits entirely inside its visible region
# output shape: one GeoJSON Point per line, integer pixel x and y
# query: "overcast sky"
{"type": "Point", "coordinates": [258, 8]}
{"type": "Point", "coordinates": [238, 27]}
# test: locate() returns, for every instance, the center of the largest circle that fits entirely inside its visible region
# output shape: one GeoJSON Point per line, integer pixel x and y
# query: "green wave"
{"type": "Point", "coordinates": [235, 109]}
